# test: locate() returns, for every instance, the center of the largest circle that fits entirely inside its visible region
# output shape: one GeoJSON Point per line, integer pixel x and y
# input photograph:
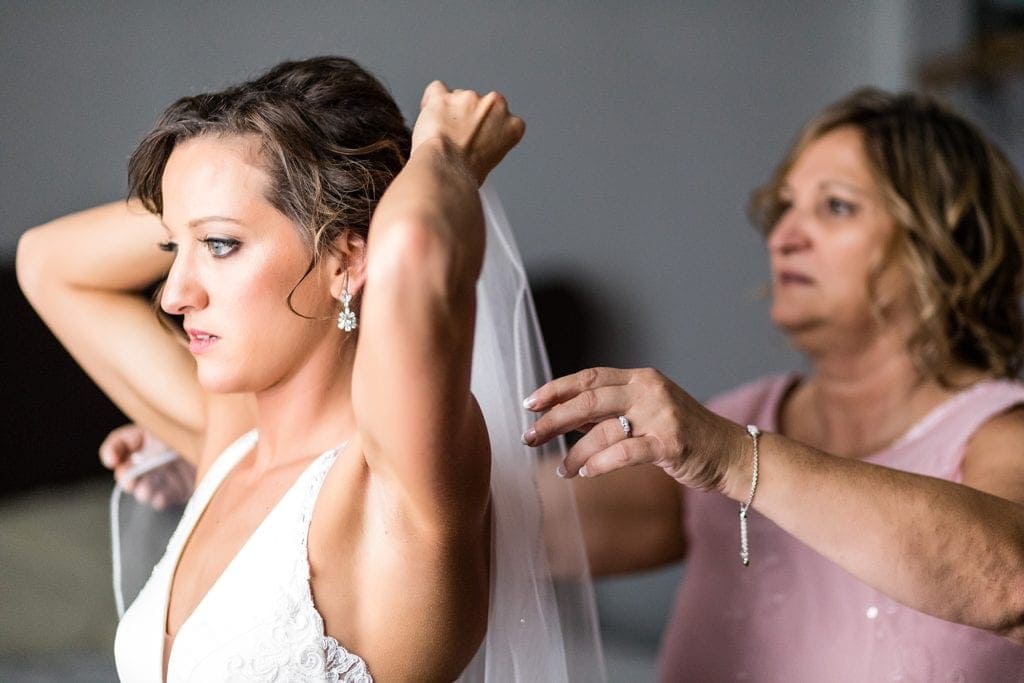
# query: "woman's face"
{"type": "Point", "coordinates": [237, 259]}
{"type": "Point", "coordinates": [833, 231]}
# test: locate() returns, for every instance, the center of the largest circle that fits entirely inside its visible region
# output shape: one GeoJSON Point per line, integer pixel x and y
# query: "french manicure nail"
{"type": "Point", "coordinates": [583, 471]}
{"type": "Point", "coordinates": [560, 471]}
{"type": "Point", "coordinates": [529, 435]}
{"type": "Point", "coordinates": [529, 402]}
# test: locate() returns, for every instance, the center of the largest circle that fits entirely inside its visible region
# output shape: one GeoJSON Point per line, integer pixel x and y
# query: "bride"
{"type": "Point", "coordinates": [322, 265]}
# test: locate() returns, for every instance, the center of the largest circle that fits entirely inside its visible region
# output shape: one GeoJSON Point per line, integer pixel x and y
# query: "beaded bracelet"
{"type": "Point", "coordinates": [744, 548]}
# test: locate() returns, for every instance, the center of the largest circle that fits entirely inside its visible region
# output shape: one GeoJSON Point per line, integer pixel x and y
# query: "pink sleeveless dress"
{"type": "Point", "coordinates": [794, 616]}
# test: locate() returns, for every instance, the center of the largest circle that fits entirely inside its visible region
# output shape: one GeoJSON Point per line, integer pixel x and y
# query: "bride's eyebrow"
{"type": "Point", "coordinates": [196, 222]}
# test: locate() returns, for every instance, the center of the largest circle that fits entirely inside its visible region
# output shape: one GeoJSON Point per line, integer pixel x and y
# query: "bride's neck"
{"type": "Point", "coordinates": [305, 415]}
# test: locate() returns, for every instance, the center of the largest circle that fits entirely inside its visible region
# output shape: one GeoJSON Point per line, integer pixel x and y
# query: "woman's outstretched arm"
{"type": "Point", "coordinates": [955, 551]}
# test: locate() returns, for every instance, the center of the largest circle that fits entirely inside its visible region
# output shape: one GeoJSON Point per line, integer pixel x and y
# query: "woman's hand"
{"type": "Point", "coordinates": [131, 452]}
{"type": "Point", "coordinates": [480, 127]}
{"type": "Point", "coordinates": [668, 428]}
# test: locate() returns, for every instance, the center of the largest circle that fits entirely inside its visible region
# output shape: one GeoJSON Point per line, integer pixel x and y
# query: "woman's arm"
{"type": "Point", "coordinates": [632, 519]}
{"type": "Point", "coordinates": [83, 273]}
{"type": "Point", "coordinates": [420, 427]}
{"type": "Point", "coordinates": [950, 550]}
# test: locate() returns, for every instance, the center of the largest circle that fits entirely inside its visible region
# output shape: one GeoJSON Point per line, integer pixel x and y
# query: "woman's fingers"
{"type": "Point", "coordinates": [589, 406]}
{"type": "Point", "coordinates": [641, 416]}
{"type": "Point", "coordinates": [565, 388]}
{"type": "Point", "coordinates": [602, 436]}
{"type": "Point", "coordinates": [625, 452]}
{"type": "Point", "coordinates": [120, 444]}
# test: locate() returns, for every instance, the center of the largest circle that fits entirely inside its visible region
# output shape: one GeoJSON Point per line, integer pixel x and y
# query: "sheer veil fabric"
{"type": "Point", "coordinates": [542, 624]}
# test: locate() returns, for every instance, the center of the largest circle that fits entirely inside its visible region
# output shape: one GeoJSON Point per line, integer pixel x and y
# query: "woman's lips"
{"type": "Point", "coordinates": [792, 277]}
{"type": "Point", "coordinates": [199, 341]}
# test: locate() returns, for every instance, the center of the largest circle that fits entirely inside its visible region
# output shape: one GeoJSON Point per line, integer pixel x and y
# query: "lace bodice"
{"type": "Point", "coordinates": [258, 621]}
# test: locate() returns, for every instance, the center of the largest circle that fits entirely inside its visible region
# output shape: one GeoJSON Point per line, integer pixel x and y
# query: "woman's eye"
{"type": "Point", "coordinates": [840, 207]}
{"type": "Point", "coordinates": [220, 246]}
{"type": "Point", "coordinates": [168, 246]}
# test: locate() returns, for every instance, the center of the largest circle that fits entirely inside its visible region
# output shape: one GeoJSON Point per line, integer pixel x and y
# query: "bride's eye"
{"type": "Point", "coordinates": [221, 246]}
{"type": "Point", "coordinates": [168, 246]}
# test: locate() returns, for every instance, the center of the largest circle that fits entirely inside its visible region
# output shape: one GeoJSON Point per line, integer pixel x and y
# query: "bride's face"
{"type": "Point", "coordinates": [237, 260]}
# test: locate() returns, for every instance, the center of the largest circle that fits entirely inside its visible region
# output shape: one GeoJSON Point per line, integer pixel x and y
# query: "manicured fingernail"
{"type": "Point", "coordinates": [529, 435]}
{"type": "Point", "coordinates": [583, 471]}
{"type": "Point", "coordinates": [529, 402]}
{"type": "Point", "coordinates": [560, 471]}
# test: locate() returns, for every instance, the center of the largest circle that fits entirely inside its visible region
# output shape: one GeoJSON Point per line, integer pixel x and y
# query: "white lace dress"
{"type": "Point", "coordinates": [258, 621]}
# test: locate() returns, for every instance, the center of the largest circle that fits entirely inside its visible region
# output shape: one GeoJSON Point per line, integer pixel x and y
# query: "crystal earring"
{"type": "Point", "coordinates": [347, 320]}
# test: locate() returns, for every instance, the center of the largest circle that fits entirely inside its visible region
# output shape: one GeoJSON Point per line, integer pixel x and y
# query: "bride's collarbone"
{"type": "Point", "coordinates": [235, 512]}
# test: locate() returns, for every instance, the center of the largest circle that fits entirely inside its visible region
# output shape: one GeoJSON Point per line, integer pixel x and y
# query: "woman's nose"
{"type": "Point", "coordinates": [790, 234]}
{"type": "Point", "coordinates": [181, 291]}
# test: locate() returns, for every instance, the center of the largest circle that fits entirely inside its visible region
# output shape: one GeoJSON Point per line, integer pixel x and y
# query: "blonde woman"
{"type": "Point", "coordinates": [881, 494]}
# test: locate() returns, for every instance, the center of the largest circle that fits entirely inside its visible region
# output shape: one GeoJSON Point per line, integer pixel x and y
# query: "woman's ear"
{"type": "Point", "coordinates": [348, 264]}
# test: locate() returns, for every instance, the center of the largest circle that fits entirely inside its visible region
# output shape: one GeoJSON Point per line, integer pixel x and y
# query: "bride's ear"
{"type": "Point", "coordinates": [348, 264]}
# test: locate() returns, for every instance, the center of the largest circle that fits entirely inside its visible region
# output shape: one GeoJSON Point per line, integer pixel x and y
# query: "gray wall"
{"type": "Point", "coordinates": [648, 124]}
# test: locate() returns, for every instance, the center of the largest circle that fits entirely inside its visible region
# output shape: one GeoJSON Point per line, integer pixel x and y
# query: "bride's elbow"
{"type": "Point", "coordinates": [30, 262]}
{"type": "Point", "coordinates": [414, 253]}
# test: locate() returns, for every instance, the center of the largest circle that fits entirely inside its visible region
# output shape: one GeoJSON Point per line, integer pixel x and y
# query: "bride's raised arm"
{"type": "Point", "coordinates": [420, 427]}
{"type": "Point", "coordinates": [84, 273]}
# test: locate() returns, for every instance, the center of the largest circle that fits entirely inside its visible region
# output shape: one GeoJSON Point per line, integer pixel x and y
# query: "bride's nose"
{"type": "Point", "coordinates": [182, 290]}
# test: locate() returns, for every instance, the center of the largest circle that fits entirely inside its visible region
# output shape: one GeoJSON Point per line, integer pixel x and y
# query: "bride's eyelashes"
{"type": "Point", "coordinates": [221, 247]}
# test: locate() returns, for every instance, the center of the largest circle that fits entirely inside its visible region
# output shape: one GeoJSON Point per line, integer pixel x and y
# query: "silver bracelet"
{"type": "Point", "coordinates": [744, 548]}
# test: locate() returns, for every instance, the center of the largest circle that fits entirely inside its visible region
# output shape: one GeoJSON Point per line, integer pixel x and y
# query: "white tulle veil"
{"type": "Point", "coordinates": [542, 625]}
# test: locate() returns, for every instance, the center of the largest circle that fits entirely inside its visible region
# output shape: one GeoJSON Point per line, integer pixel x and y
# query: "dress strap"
{"type": "Point", "coordinates": [315, 475]}
{"type": "Point", "coordinates": [209, 484]}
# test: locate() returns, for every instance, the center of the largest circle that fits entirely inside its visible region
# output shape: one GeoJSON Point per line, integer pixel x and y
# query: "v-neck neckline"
{"type": "Point", "coordinates": [791, 381]}
{"type": "Point", "coordinates": [217, 474]}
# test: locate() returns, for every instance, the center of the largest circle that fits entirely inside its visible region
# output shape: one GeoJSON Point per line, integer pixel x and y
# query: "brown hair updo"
{"type": "Point", "coordinates": [330, 136]}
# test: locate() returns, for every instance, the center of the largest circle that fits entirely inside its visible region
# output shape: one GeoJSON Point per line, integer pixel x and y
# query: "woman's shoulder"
{"type": "Point", "coordinates": [755, 401]}
{"type": "Point", "coordinates": [992, 456]}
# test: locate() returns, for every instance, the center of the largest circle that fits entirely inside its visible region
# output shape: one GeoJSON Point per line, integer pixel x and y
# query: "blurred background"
{"type": "Point", "coordinates": [649, 123]}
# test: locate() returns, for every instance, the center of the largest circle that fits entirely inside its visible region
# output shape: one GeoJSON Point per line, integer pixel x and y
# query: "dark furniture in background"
{"type": "Point", "coordinates": [54, 417]}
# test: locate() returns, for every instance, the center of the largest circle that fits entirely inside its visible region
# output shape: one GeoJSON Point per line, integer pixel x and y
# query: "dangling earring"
{"type": "Point", "coordinates": [346, 317]}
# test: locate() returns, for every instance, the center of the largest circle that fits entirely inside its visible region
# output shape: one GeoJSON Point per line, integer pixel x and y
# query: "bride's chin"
{"type": "Point", "coordinates": [221, 383]}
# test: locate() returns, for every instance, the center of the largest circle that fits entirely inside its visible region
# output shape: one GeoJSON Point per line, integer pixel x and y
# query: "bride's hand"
{"type": "Point", "coordinates": [667, 427]}
{"type": "Point", "coordinates": [480, 127]}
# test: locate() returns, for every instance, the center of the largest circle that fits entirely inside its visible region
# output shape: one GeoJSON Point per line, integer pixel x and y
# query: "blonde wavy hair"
{"type": "Point", "coordinates": [958, 206]}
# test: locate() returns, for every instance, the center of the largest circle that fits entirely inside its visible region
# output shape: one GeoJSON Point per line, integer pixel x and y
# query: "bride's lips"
{"type": "Point", "coordinates": [199, 341]}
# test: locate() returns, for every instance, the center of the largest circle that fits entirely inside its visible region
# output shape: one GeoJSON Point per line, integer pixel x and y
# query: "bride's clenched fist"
{"type": "Point", "coordinates": [480, 127]}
